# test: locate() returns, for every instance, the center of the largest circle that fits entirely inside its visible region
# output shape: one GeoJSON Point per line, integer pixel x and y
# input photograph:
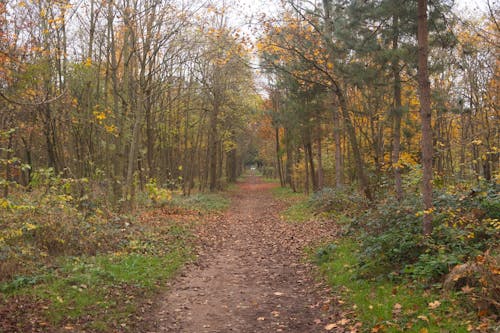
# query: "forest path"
{"type": "Point", "coordinates": [250, 275]}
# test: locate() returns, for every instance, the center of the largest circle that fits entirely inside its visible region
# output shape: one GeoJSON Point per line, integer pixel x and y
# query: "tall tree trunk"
{"type": "Point", "coordinates": [425, 114]}
{"type": "Point", "coordinates": [396, 114]}
{"type": "Point", "coordinates": [306, 166]}
{"type": "Point", "coordinates": [7, 164]}
{"type": "Point", "coordinates": [351, 135]}
{"type": "Point", "coordinates": [289, 160]}
{"type": "Point", "coordinates": [349, 127]}
{"type": "Point", "coordinates": [220, 163]}
{"type": "Point", "coordinates": [212, 148]}
{"type": "Point", "coordinates": [320, 162]}
{"type": "Point", "coordinates": [278, 157]}
{"type": "Point", "coordinates": [310, 160]}
{"type": "Point", "coordinates": [339, 159]}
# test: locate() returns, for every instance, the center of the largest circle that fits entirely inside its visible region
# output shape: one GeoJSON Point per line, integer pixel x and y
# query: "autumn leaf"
{"type": "Point", "coordinates": [378, 328]}
{"type": "Point", "coordinates": [330, 327]}
{"type": "Point", "coordinates": [343, 321]}
{"type": "Point", "coordinates": [467, 289]}
{"type": "Point", "coordinates": [434, 305]}
{"type": "Point", "coordinates": [397, 309]}
{"type": "Point", "coordinates": [424, 318]}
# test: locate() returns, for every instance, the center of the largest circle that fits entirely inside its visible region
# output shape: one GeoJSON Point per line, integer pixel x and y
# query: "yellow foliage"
{"type": "Point", "coordinates": [99, 115]}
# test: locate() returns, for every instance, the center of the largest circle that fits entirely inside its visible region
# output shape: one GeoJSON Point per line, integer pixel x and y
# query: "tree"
{"type": "Point", "coordinates": [425, 114]}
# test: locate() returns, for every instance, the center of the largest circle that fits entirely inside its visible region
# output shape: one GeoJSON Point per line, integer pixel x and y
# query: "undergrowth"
{"type": "Point", "coordinates": [68, 261]}
{"type": "Point", "coordinates": [385, 306]}
{"type": "Point", "coordinates": [393, 276]}
{"type": "Point", "coordinates": [204, 202]}
{"type": "Point", "coordinates": [299, 210]}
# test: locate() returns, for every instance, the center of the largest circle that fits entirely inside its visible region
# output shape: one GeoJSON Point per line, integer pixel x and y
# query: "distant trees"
{"type": "Point", "coordinates": [364, 71]}
{"type": "Point", "coordinates": [123, 92]}
{"type": "Point", "coordinates": [129, 91]}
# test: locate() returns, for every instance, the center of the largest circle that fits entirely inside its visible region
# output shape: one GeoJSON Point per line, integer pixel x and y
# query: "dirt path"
{"type": "Point", "coordinates": [251, 276]}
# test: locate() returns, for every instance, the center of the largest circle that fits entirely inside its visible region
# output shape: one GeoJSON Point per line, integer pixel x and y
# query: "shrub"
{"type": "Point", "coordinates": [391, 237]}
{"type": "Point", "coordinates": [158, 195]}
{"type": "Point", "coordinates": [392, 241]}
{"type": "Point", "coordinates": [337, 201]}
{"type": "Point", "coordinates": [491, 204]}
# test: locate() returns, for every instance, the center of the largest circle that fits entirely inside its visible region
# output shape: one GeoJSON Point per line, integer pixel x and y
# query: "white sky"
{"type": "Point", "coordinates": [247, 8]}
{"type": "Point", "coordinates": [474, 5]}
{"type": "Point", "coordinates": [242, 12]}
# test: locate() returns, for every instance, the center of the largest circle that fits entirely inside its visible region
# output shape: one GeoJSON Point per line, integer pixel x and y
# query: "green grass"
{"type": "Point", "coordinates": [205, 202]}
{"type": "Point", "coordinates": [102, 288]}
{"type": "Point", "coordinates": [298, 213]}
{"type": "Point", "coordinates": [298, 210]}
{"type": "Point", "coordinates": [384, 304]}
{"type": "Point", "coordinates": [285, 193]}
{"type": "Point", "coordinates": [103, 291]}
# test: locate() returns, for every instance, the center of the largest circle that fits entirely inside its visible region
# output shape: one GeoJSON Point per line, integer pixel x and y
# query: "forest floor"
{"type": "Point", "coordinates": [251, 275]}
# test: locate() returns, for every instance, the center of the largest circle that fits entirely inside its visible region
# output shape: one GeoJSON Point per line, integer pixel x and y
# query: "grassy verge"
{"type": "Point", "coordinates": [203, 202]}
{"type": "Point", "coordinates": [299, 210]}
{"type": "Point", "coordinates": [100, 293]}
{"type": "Point", "coordinates": [376, 302]}
{"type": "Point", "coordinates": [95, 274]}
{"type": "Point", "coordinates": [383, 305]}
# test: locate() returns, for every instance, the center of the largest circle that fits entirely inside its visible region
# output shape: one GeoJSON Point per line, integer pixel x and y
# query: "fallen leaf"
{"type": "Point", "coordinates": [424, 318]}
{"type": "Point", "coordinates": [434, 305]}
{"type": "Point", "coordinates": [423, 330]}
{"type": "Point", "coordinates": [467, 289]}
{"type": "Point", "coordinates": [343, 321]}
{"type": "Point", "coordinates": [261, 318]}
{"type": "Point", "coordinates": [482, 312]}
{"type": "Point", "coordinates": [330, 327]}
{"type": "Point", "coordinates": [397, 309]}
{"type": "Point", "coordinates": [378, 328]}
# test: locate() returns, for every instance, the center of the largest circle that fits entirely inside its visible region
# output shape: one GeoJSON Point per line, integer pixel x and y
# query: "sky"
{"type": "Point", "coordinates": [247, 8]}
{"type": "Point", "coordinates": [243, 11]}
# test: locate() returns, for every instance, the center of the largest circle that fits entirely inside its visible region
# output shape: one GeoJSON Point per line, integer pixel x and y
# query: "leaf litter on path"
{"type": "Point", "coordinates": [250, 275]}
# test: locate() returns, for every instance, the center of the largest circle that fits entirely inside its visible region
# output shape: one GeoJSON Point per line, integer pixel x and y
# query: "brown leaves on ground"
{"type": "Point", "coordinates": [23, 314]}
{"type": "Point", "coordinates": [251, 275]}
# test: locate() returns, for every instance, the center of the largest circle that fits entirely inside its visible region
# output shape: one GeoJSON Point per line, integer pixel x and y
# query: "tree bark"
{"type": "Point", "coordinates": [425, 114]}
{"type": "Point", "coordinates": [289, 161]}
{"type": "Point", "coordinates": [310, 160]}
{"type": "Point", "coordinates": [397, 115]}
{"type": "Point", "coordinates": [278, 157]}
{"type": "Point", "coordinates": [339, 159]}
{"type": "Point", "coordinates": [351, 135]}
{"type": "Point", "coordinates": [320, 162]}
{"type": "Point", "coordinates": [306, 166]}
{"type": "Point", "coordinates": [212, 148]}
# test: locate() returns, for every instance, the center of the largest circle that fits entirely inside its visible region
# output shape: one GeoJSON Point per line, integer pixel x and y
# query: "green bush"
{"type": "Point", "coordinates": [337, 201]}
{"type": "Point", "coordinates": [392, 243]}
{"type": "Point", "coordinates": [392, 237]}
{"type": "Point", "coordinates": [491, 204]}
